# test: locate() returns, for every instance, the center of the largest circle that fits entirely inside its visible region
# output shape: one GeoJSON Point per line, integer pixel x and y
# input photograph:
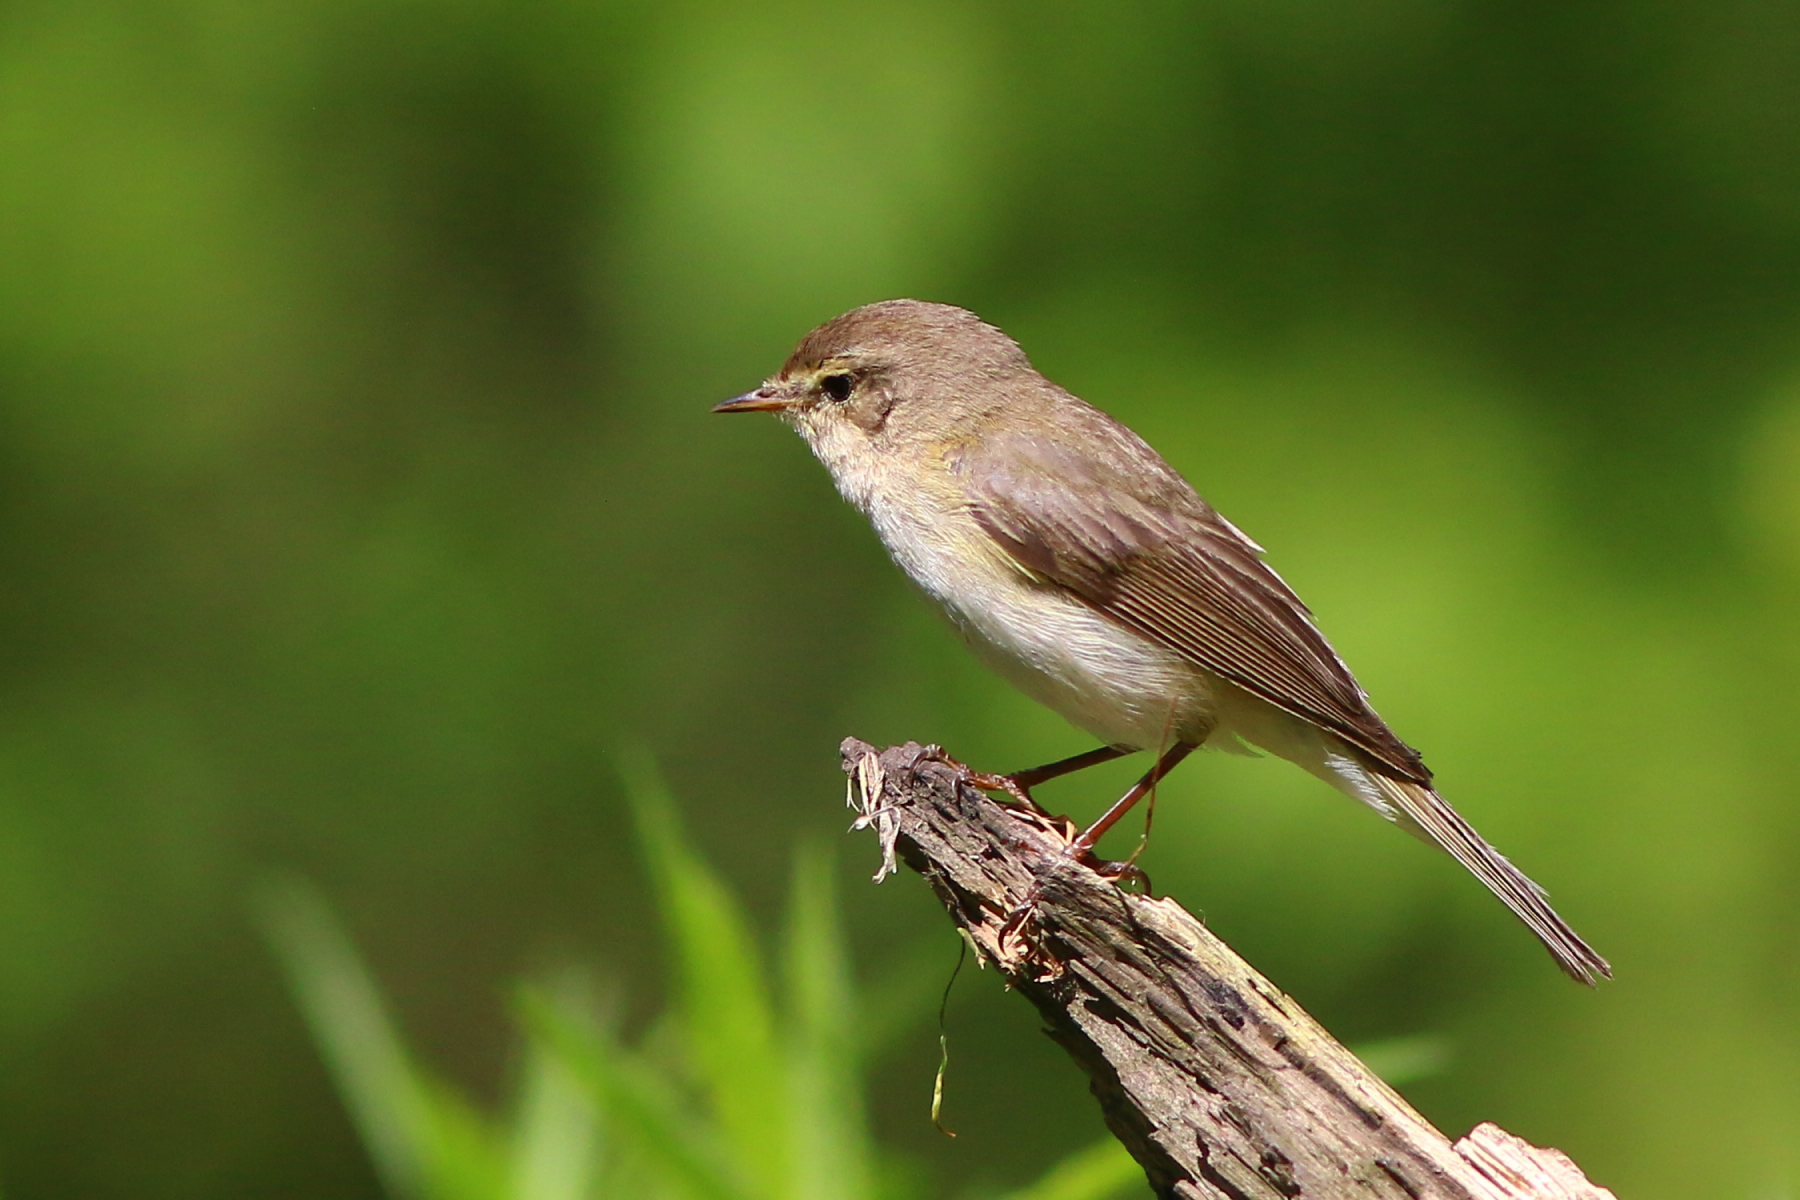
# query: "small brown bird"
{"type": "Point", "coordinates": [1087, 571]}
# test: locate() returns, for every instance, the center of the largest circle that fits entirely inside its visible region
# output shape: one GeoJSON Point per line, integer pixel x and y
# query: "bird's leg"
{"type": "Point", "coordinates": [988, 782]}
{"type": "Point", "coordinates": [1084, 845]}
{"type": "Point", "coordinates": [1068, 766]}
{"type": "Point", "coordinates": [1081, 847]}
{"type": "Point", "coordinates": [1018, 785]}
{"type": "Point", "coordinates": [1129, 868]}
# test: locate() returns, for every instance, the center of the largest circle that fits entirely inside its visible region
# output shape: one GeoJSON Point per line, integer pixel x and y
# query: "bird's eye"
{"type": "Point", "coordinates": [838, 387]}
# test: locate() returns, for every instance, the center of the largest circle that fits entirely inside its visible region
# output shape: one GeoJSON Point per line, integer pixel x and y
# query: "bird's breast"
{"type": "Point", "coordinates": [1100, 675]}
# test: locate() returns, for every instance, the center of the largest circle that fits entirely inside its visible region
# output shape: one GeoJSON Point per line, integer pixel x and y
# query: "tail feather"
{"type": "Point", "coordinates": [1425, 814]}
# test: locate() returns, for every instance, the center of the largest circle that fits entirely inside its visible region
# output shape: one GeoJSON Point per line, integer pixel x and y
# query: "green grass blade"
{"type": "Point", "coordinates": [350, 1024]}
{"type": "Point", "coordinates": [1403, 1060]}
{"type": "Point", "coordinates": [465, 1158]}
{"type": "Point", "coordinates": [1101, 1171]}
{"type": "Point", "coordinates": [556, 1135]}
{"type": "Point", "coordinates": [424, 1140]}
{"type": "Point", "coordinates": [726, 1014]}
{"type": "Point", "coordinates": [645, 1118]}
{"type": "Point", "coordinates": [832, 1159]}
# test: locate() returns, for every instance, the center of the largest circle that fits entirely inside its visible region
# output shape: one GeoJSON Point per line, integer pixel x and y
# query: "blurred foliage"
{"type": "Point", "coordinates": [356, 491]}
{"type": "Point", "coordinates": [728, 1097]}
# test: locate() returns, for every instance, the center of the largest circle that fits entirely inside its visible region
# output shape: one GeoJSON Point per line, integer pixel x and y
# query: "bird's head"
{"type": "Point", "coordinates": [900, 372]}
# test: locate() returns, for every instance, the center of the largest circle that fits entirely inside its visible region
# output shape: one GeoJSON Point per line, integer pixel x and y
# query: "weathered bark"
{"type": "Point", "coordinates": [1218, 1084]}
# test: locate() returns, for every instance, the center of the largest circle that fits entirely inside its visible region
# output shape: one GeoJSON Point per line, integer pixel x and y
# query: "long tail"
{"type": "Point", "coordinates": [1423, 813]}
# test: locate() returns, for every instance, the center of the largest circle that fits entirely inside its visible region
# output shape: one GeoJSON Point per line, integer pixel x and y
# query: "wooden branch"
{"type": "Point", "coordinates": [1218, 1084]}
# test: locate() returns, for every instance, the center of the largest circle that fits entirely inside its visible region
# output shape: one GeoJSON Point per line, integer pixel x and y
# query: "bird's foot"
{"type": "Point", "coordinates": [1017, 939]}
{"type": "Point", "coordinates": [988, 782]}
{"type": "Point", "coordinates": [1126, 874]}
{"type": "Point", "coordinates": [1020, 794]}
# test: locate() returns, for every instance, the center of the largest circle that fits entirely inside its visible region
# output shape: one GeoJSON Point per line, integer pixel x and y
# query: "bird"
{"type": "Point", "coordinates": [1083, 568]}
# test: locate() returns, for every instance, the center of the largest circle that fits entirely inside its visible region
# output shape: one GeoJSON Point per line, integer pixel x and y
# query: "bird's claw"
{"type": "Point", "coordinates": [1120, 873]}
{"type": "Point", "coordinates": [1006, 783]}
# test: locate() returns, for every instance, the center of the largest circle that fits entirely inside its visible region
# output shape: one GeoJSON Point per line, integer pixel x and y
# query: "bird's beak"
{"type": "Point", "coordinates": [763, 399]}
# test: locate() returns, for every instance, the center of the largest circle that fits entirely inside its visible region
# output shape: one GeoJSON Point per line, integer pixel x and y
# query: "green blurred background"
{"type": "Point", "coordinates": [358, 498]}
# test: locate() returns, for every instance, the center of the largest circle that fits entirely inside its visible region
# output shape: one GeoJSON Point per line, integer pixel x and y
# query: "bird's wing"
{"type": "Point", "coordinates": [1131, 538]}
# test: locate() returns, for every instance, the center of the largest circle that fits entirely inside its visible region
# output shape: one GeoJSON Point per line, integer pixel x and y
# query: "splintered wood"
{"type": "Point", "coordinates": [1219, 1085]}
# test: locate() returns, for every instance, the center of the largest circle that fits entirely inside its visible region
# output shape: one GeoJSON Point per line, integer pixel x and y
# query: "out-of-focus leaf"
{"type": "Point", "coordinates": [644, 1115]}
{"type": "Point", "coordinates": [625, 1175]}
{"type": "Point", "coordinates": [464, 1156]}
{"type": "Point", "coordinates": [556, 1142]}
{"type": "Point", "coordinates": [1100, 1171]}
{"type": "Point", "coordinates": [831, 1150]}
{"type": "Point", "coordinates": [727, 1016]}
{"type": "Point", "coordinates": [1402, 1060]}
{"type": "Point", "coordinates": [425, 1140]}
